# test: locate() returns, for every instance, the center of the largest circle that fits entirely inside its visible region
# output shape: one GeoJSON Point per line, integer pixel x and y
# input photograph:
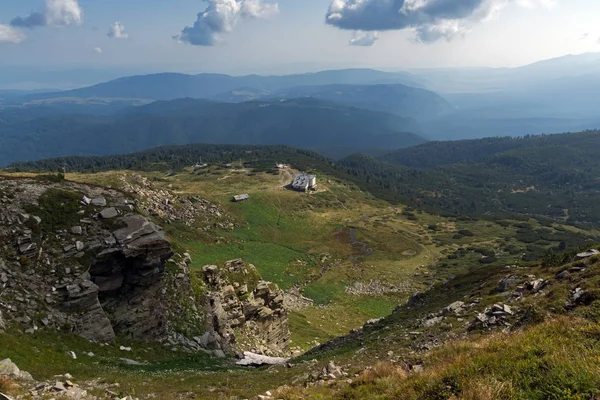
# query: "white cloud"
{"type": "Point", "coordinates": [63, 13]}
{"type": "Point", "coordinates": [221, 16]}
{"type": "Point", "coordinates": [117, 31]}
{"type": "Point", "coordinates": [430, 20]}
{"type": "Point", "coordinates": [56, 13]}
{"type": "Point", "coordinates": [364, 39]}
{"type": "Point", "coordinates": [98, 50]}
{"type": "Point", "coordinates": [8, 34]}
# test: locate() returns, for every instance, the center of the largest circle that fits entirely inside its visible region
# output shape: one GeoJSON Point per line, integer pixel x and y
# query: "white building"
{"type": "Point", "coordinates": [304, 182]}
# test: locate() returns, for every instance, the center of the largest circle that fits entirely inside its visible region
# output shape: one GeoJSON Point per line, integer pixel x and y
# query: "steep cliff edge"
{"type": "Point", "coordinates": [77, 257]}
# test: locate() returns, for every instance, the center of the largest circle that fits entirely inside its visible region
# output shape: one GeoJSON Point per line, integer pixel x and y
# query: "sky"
{"type": "Point", "coordinates": [285, 36]}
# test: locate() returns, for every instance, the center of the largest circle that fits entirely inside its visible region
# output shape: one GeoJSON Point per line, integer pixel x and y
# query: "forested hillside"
{"type": "Point", "coordinates": [303, 123]}
{"type": "Point", "coordinates": [549, 176]}
{"type": "Point", "coordinates": [554, 176]}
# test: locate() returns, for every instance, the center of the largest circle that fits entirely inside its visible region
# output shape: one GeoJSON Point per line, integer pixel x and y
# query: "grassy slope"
{"type": "Point", "coordinates": [285, 223]}
{"type": "Point", "coordinates": [298, 239]}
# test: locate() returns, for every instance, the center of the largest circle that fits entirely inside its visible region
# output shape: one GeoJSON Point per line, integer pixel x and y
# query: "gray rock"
{"type": "Point", "coordinates": [86, 200]}
{"type": "Point", "coordinates": [109, 213]}
{"type": "Point", "coordinates": [219, 353]}
{"type": "Point", "coordinates": [456, 308]}
{"type": "Point", "coordinates": [128, 361]}
{"type": "Point", "coordinates": [72, 355]}
{"type": "Point", "coordinates": [508, 283]}
{"type": "Point", "coordinates": [99, 202]}
{"type": "Point", "coordinates": [253, 359]}
{"type": "Point", "coordinates": [59, 387]}
{"type": "Point", "coordinates": [10, 369]}
{"type": "Point", "coordinates": [37, 219]}
{"type": "Point", "coordinates": [79, 246]}
{"type": "Point", "coordinates": [2, 322]}
{"type": "Point", "coordinates": [77, 230]}
{"type": "Point", "coordinates": [563, 276]}
{"type": "Point", "coordinates": [428, 323]}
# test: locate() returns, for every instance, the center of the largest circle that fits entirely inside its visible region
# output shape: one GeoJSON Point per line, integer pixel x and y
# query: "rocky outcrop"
{"type": "Point", "coordinates": [244, 312]}
{"type": "Point", "coordinates": [129, 278]}
{"type": "Point", "coordinates": [10, 369]}
{"type": "Point", "coordinates": [81, 266]}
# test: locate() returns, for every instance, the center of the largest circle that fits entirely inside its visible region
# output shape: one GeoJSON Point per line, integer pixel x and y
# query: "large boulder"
{"type": "Point", "coordinates": [10, 369]}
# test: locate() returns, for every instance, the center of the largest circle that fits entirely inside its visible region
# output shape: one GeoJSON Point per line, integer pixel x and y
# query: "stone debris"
{"type": "Point", "coordinates": [536, 285]}
{"type": "Point", "coordinates": [377, 287]}
{"type": "Point", "coordinates": [458, 307]}
{"type": "Point", "coordinates": [167, 206]}
{"type": "Point", "coordinates": [508, 283]}
{"type": "Point", "coordinates": [72, 355]}
{"type": "Point", "coordinates": [256, 360]}
{"type": "Point", "coordinates": [497, 315]}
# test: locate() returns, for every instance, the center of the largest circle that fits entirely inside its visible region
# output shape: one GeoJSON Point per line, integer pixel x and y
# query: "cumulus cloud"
{"type": "Point", "coordinates": [56, 13]}
{"type": "Point", "coordinates": [430, 20]}
{"type": "Point", "coordinates": [221, 16]}
{"type": "Point", "coordinates": [9, 34]}
{"type": "Point", "coordinates": [117, 31]}
{"type": "Point", "coordinates": [365, 39]}
{"type": "Point", "coordinates": [98, 50]}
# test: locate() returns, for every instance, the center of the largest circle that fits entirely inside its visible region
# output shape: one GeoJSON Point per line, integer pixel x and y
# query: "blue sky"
{"type": "Point", "coordinates": [297, 37]}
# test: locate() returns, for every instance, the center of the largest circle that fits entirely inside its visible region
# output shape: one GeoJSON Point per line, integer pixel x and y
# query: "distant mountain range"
{"type": "Point", "coordinates": [330, 128]}
{"type": "Point", "coordinates": [170, 86]}
{"type": "Point", "coordinates": [552, 96]}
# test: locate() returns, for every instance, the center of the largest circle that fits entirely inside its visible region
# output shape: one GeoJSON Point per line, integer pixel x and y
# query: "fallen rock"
{"type": "Point", "coordinates": [563, 276]}
{"type": "Point", "coordinates": [536, 285]}
{"type": "Point", "coordinates": [10, 369]}
{"type": "Point", "coordinates": [508, 283]}
{"type": "Point", "coordinates": [109, 213]}
{"type": "Point", "coordinates": [98, 202]}
{"type": "Point", "coordinates": [456, 308]}
{"type": "Point", "coordinates": [588, 254]}
{"type": "Point", "coordinates": [255, 360]}
{"type": "Point", "coordinates": [77, 230]}
{"type": "Point", "coordinates": [428, 323]}
{"type": "Point", "coordinates": [128, 361]}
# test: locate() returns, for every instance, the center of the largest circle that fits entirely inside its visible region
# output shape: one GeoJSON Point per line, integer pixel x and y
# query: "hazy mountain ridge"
{"type": "Point", "coordinates": [169, 86]}
{"type": "Point", "coordinates": [305, 123]}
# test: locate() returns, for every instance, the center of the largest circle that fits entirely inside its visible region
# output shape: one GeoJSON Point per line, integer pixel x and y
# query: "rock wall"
{"type": "Point", "coordinates": [99, 275]}
{"type": "Point", "coordinates": [244, 312]}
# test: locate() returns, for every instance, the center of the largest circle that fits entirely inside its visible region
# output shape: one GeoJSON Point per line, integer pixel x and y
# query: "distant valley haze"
{"type": "Point", "coordinates": [79, 77]}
